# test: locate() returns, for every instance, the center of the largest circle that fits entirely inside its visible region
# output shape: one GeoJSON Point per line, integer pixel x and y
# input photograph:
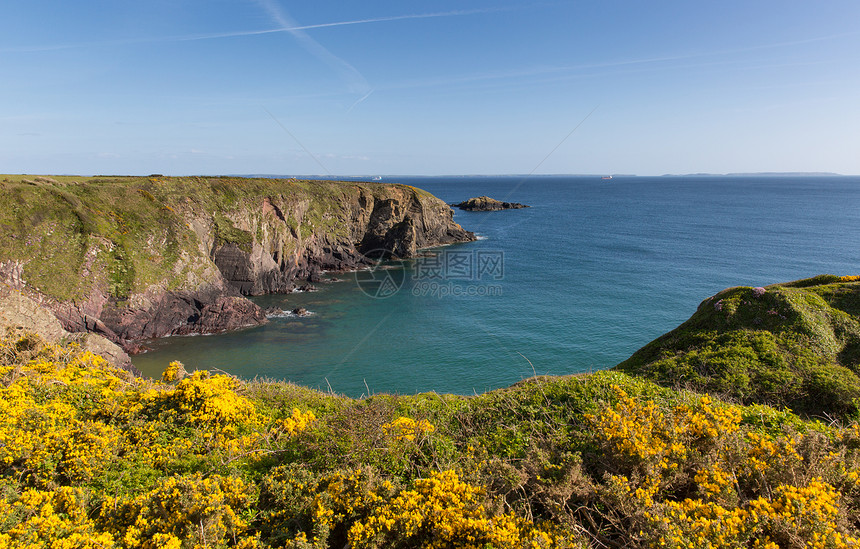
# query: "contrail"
{"type": "Point", "coordinates": [568, 70]}
{"type": "Point", "coordinates": [355, 80]}
{"type": "Point", "coordinates": [401, 17]}
{"type": "Point", "coordinates": [360, 100]}
{"type": "Point", "coordinates": [281, 28]}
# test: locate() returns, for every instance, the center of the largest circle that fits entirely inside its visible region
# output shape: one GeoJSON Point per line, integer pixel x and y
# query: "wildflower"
{"type": "Point", "coordinates": [404, 428]}
{"type": "Point", "coordinates": [174, 372]}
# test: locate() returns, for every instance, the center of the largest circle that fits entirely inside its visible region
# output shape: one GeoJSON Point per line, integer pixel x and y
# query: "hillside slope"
{"type": "Point", "coordinates": [92, 457]}
{"type": "Point", "coordinates": [795, 344]}
{"type": "Point", "coordinates": [141, 257]}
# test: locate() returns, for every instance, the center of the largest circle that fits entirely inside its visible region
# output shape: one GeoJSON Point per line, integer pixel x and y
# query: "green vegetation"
{"type": "Point", "coordinates": [122, 235]}
{"type": "Point", "coordinates": [90, 457]}
{"type": "Point", "coordinates": [791, 345]}
{"type": "Point", "coordinates": [227, 233]}
{"type": "Point", "coordinates": [111, 234]}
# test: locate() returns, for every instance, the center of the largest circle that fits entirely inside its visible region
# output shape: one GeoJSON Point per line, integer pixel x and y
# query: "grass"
{"type": "Point", "coordinates": [793, 345]}
{"type": "Point", "coordinates": [103, 233]}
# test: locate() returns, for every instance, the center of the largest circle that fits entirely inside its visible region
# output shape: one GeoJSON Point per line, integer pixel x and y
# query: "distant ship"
{"type": "Point", "coordinates": [378, 178]}
{"type": "Point", "coordinates": [606, 177]}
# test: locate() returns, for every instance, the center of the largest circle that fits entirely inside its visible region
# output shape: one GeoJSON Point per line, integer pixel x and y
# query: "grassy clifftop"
{"type": "Point", "coordinates": [127, 233]}
{"type": "Point", "coordinates": [68, 236]}
{"type": "Point", "coordinates": [795, 344]}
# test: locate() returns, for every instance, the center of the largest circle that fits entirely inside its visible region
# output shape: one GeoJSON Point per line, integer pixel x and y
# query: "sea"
{"type": "Point", "coordinates": [593, 270]}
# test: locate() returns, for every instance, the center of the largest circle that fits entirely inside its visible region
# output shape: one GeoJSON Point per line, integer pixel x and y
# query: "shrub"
{"type": "Point", "coordinates": [90, 457]}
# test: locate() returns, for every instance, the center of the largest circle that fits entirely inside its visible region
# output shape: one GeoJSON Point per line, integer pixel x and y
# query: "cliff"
{"type": "Point", "coordinates": [793, 345]}
{"type": "Point", "coordinates": [133, 258]}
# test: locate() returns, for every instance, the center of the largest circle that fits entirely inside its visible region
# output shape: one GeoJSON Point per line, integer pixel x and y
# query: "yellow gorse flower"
{"type": "Point", "coordinates": [641, 431]}
{"type": "Point", "coordinates": [442, 511]}
{"type": "Point", "coordinates": [404, 428]}
{"type": "Point", "coordinates": [203, 510]}
{"type": "Point", "coordinates": [298, 422]}
{"type": "Point", "coordinates": [809, 511]}
{"type": "Point", "coordinates": [174, 371]}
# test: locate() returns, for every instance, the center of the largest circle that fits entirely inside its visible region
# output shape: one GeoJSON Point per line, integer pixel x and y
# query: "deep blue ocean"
{"type": "Point", "coordinates": [594, 270]}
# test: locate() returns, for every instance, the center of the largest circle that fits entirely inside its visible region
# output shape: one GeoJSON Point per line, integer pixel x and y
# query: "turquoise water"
{"type": "Point", "coordinates": [591, 272]}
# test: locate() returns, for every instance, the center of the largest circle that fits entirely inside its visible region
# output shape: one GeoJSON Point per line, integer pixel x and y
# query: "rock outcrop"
{"type": "Point", "coordinates": [138, 258]}
{"type": "Point", "coordinates": [19, 314]}
{"type": "Point", "coordinates": [487, 204]}
{"type": "Point", "coordinates": [172, 313]}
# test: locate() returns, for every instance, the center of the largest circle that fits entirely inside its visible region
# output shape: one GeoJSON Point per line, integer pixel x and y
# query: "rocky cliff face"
{"type": "Point", "coordinates": [291, 242]}
{"type": "Point", "coordinates": [20, 314]}
{"type": "Point", "coordinates": [139, 258]}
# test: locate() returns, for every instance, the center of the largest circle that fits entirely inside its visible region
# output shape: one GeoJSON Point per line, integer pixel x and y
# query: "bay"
{"type": "Point", "coordinates": [592, 271]}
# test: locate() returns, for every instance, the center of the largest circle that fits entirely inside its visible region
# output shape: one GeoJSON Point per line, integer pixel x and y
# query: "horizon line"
{"type": "Point", "coordinates": [383, 176]}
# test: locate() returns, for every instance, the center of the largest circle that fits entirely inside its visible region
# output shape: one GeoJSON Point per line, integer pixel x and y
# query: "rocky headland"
{"type": "Point", "coordinates": [132, 258]}
{"type": "Point", "coordinates": [487, 204]}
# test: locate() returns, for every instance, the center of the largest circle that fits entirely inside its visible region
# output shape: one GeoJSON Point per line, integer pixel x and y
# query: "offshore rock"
{"type": "Point", "coordinates": [487, 204]}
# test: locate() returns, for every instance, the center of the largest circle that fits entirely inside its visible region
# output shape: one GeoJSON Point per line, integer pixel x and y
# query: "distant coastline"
{"type": "Point", "coordinates": [389, 178]}
{"type": "Point", "coordinates": [393, 178]}
{"type": "Point", "coordinates": [760, 174]}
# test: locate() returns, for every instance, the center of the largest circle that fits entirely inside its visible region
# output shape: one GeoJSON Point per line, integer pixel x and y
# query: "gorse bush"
{"type": "Point", "coordinates": [730, 486]}
{"type": "Point", "coordinates": [199, 511]}
{"type": "Point", "coordinates": [442, 511]}
{"type": "Point", "coordinates": [91, 457]}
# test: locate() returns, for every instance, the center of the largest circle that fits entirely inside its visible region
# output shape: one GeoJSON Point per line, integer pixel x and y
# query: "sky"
{"type": "Point", "coordinates": [429, 88]}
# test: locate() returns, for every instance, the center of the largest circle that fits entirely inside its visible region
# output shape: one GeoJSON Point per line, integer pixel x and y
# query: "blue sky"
{"type": "Point", "coordinates": [383, 87]}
